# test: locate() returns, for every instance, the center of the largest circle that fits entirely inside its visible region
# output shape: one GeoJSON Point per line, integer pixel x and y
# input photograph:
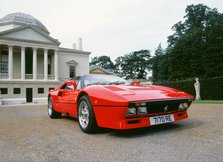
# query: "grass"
{"type": "Point", "coordinates": [209, 101]}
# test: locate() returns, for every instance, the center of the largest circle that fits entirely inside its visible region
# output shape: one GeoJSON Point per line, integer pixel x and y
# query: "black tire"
{"type": "Point", "coordinates": [51, 112]}
{"type": "Point", "coordinates": [86, 117]}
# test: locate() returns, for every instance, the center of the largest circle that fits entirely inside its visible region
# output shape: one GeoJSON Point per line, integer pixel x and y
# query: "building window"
{"type": "Point", "coordinates": [49, 69]}
{"type": "Point", "coordinates": [16, 91]}
{"type": "Point", "coordinates": [4, 90]}
{"type": "Point", "coordinates": [49, 64]}
{"type": "Point", "coordinates": [4, 67]}
{"type": "Point", "coordinates": [40, 90]}
{"type": "Point", "coordinates": [72, 71]}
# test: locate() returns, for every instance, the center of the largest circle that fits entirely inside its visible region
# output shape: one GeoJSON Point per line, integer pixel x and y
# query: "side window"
{"type": "Point", "coordinates": [70, 87]}
{"type": "Point", "coordinates": [63, 86]}
{"type": "Point", "coordinates": [51, 88]}
{"type": "Point", "coordinates": [78, 84]}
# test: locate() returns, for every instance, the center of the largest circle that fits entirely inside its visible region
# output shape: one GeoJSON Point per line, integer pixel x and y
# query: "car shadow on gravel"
{"type": "Point", "coordinates": [158, 129]}
{"type": "Point", "coordinates": [64, 116]}
{"type": "Point", "coordinates": [147, 131]}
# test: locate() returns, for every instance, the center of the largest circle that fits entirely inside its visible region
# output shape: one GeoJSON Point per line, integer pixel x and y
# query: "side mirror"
{"type": "Point", "coordinates": [137, 82]}
{"type": "Point", "coordinates": [72, 85]}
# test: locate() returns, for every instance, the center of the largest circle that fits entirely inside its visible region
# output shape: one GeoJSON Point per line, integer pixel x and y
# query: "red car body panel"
{"type": "Point", "coordinates": [114, 117]}
{"type": "Point", "coordinates": [66, 104]}
{"type": "Point", "coordinates": [110, 103]}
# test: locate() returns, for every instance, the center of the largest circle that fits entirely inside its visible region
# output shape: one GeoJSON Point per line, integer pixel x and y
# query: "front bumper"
{"type": "Point", "coordinates": [115, 118]}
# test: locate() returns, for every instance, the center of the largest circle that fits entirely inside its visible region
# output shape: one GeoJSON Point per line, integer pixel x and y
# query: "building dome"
{"type": "Point", "coordinates": [22, 18]}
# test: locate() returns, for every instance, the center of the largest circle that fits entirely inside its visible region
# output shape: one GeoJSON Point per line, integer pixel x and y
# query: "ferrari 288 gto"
{"type": "Point", "coordinates": [111, 102]}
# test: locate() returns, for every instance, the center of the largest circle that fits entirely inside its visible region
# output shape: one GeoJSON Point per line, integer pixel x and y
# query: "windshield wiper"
{"type": "Point", "coordinates": [117, 82]}
{"type": "Point", "coordinates": [98, 83]}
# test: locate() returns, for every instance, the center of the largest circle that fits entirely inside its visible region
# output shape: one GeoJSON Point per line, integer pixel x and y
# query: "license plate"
{"type": "Point", "coordinates": [161, 119]}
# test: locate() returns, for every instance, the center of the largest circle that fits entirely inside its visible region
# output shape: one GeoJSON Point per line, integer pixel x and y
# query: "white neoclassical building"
{"type": "Point", "coordinates": [31, 61]}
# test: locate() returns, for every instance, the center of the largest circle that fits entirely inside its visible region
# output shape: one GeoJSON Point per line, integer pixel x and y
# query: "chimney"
{"type": "Point", "coordinates": [80, 46]}
{"type": "Point", "coordinates": [74, 46]}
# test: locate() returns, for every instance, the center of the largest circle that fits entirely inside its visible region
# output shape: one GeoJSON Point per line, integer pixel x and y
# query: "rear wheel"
{"type": "Point", "coordinates": [51, 112]}
{"type": "Point", "coordinates": [86, 116]}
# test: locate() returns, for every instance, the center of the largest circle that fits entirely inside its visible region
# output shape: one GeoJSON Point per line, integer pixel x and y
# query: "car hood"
{"type": "Point", "coordinates": [149, 92]}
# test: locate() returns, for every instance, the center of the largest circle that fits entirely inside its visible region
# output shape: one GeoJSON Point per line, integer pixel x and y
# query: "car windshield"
{"type": "Point", "coordinates": [103, 79]}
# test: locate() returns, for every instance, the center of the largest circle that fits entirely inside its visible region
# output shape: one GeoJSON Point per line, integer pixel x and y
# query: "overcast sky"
{"type": "Point", "coordinates": [107, 27]}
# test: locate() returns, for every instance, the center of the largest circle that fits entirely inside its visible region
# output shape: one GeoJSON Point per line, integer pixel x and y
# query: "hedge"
{"type": "Point", "coordinates": [211, 88]}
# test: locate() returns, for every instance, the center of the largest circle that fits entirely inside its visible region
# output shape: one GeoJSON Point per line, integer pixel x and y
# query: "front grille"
{"type": "Point", "coordinates": [159, 107]}
{"type": "Point", "coordinates": [162, 106]}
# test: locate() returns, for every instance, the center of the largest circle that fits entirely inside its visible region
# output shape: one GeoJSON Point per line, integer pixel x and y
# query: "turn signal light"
{"type": "Point", "coordinates": [140, 104]}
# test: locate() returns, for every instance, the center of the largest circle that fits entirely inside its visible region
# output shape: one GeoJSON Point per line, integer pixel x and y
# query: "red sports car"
{"type": "Point", "coordinates": [111, 102]}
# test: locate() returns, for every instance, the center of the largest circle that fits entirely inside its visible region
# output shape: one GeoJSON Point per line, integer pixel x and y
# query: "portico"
{"type": "Point", "coordinates": [28, 63]}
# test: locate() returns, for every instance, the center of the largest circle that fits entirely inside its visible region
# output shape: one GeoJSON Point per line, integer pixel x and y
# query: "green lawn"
{"type": "Point", "coordinates": [209, 101]}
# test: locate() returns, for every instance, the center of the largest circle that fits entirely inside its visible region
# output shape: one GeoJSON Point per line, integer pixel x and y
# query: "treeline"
{"type": "Point", "coordinates": [195, 49]}
{"type": "Point", "coordinates": [135, 65]}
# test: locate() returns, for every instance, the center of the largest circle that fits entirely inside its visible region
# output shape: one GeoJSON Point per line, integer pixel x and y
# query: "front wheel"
{"type": "Point", "coordinates": [86, 116]}
{"type": "Point", "coordinates": [51, 112]}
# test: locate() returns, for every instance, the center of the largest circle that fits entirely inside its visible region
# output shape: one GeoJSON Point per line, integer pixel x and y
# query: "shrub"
{"type": "Point", "coordinates": [211, 88]}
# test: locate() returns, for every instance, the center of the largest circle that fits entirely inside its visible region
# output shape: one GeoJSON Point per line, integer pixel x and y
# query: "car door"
{"type": "Point", "coordinates": [67, 98]}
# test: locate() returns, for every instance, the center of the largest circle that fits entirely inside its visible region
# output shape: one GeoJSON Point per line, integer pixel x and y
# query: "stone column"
{"type": "Point", "coordinates": [45, 64]}
{"type": "Point", "coordinates": [10, 63]}
{"type": "Point", "coordinates": [56, 64]}
{"type": "Point", "coordinates": [34, 63]}
{"type": "Point", "coordinates": [23, 63]}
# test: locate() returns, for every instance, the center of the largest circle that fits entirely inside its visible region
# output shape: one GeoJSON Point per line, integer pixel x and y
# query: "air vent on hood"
{"type": "Point", "coordinates": [113, 88]}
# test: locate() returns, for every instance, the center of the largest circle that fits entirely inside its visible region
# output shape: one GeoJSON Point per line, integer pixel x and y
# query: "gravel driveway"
{"type": "Point", "coordinates": [28, 134]}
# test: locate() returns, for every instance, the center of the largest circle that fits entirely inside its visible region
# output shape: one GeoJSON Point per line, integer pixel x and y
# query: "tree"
{"type": "Point", "coordinates": [104, 62]}
{"type": "Point", "coordinates": [134, 65]}
{"type": "Point", "coordinates": [159, 65]}
{"type": "Point", "coordinates": [195, 49]}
